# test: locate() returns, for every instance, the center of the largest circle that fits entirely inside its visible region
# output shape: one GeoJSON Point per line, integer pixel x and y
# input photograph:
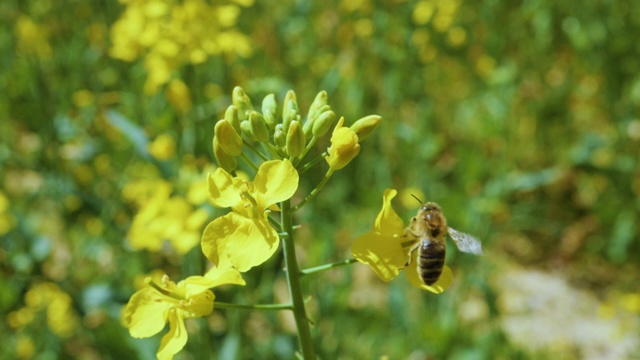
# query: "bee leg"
{"type": "Point", "coordinates": [413, 248]}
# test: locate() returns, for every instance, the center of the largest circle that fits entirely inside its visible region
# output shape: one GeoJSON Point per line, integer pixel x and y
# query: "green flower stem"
{"type": "Point", "coordinates": [248, 161]}
{"type": "Point", "coordinates": [247, 144]}
{"type": "Point", "coordinates": [307, 148]}
{"type": "Point", "coordinates": [315, 191]}
{"type": "Point", "coordinates": [223, 305]}
{"type": "Point", "coordinates": [293, 279]}
{"type": "Point", "coordinates": [326, 267]}
{"type": "Point", "coordinates": [311, 163]}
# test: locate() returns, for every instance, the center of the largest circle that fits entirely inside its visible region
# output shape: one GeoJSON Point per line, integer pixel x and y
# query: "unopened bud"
{"type": "Point", "coordinates": [224, 160]}
{"type": "Point", "coordinates": [365, 126]}
{"type": "Point", "coordinates": [279, 137]}
{"type": "Point", "coordinates": [228, 138]}
{"type": "Point", "coordinates": [323, 123]}
{"type": "Point", "coordinates": [308, 125]}
{"type": "Point", "coordinates": [295, 139]}
{"type": "Point", "coordinates": [269, 109]}
{"type": "Point", "coordinates": [241, 101]}
{"type": "Point", "coordinates": [245, 125]}
{"type": "Point", "coordinates": [258, 126]}
{"type": "Point", "coordinates": [231, 115]}
{"type": "Point", "coordinates": [318, 103]}
{"type": "Point", "coordinates": [289, 114]}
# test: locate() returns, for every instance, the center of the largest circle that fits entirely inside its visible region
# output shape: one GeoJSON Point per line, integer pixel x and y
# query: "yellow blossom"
{"type": "Point", "coordinates": [386, 249]}
{"type": "Point", "coordinates": [163, 217]}
{"type": "Point", "coordinates": [344, 146]}
{"type": "Point", "coordinates": [153, 306]}
{"type": "Point", "coordinates": [244, 238]}
{"type": "Point", "coordinates": [163, 147]}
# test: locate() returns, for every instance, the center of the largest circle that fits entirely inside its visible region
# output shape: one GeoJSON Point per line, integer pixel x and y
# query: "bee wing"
{"type": "Point", "coordinates": [465, 242]}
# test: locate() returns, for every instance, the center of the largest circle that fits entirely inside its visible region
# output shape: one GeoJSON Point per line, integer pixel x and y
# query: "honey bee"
{"type": "Point", "coordinates": [430, 229]}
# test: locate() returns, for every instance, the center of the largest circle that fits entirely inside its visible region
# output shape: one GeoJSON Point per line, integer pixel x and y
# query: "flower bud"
{"type": "Point", "coordinates": [242, 102]}
{"type": "Point", "coordinates": [245, 125]}
{"type": "Point", "coordinates": [289, 114]}
{"type": "Point", "coordinates": [269, 109]}
{"type": "Point", "coordinates": [228, 138]}
{"type": "Point", "coordinates": [308, 125]}
{"type": "Point", "coordinates": [258, 126]}
{"type": "Point", "coordinates": [279, 137]}
{"type": "Point", "coordinates": [318, 103]}
{"type": "Point", "coordinates": [231, 115]}
{"type": "Point", "coordinates": [224, 160]}
{"type": "Point", "coordinates": [295, 139]}
{"type": "Point", "coordinates": [323, 123]}
{"type": "Point", "coordinates": [365, 126]}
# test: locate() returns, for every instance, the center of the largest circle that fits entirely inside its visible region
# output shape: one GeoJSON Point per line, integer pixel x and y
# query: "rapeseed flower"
{"type": "Point", "coordinates": [153, 306]}
{"type": "Point", "coordinates": [244, 238]}
{"type": "Point", "coordinates": [386, 249]}
{"type": "Point", "coordinates": [344, 146]}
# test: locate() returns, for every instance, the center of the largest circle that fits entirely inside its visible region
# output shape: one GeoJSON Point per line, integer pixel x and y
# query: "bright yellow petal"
{"type": "Point", "coordinates": [214, 277]}
{"type": "Point", "coordinates": [222, 190]}
{"type": "Point", "coordinates": [383, 254]}
{"type": "Point", "coordinates": [251, 244]}
{"type": "Point", "coordinates": [175, 339]}
{"type": "Point", "coordinates": [276, 181]}
{"type": "Point", "coordinates": [144, 315]}
{"type": "Point", "coordinates": [215, 237]}
{"type": "Point", "coordinates": [445, 280]}
{"type": "Point", "coordinates": [388, 222]}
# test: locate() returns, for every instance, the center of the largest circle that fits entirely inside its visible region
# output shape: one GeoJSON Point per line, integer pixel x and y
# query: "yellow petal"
{"type": "Point", "coordinates": [214, 277]}
{"type": "Point", "coordinates": [438, 287]}
{"type": "Point", "coordinates": [215, 237]}
{"type": "Point", "coordinates": [276, 181]}
{"type": "Point", "coordinates": [144, 315]}
{"type": "Point", "coordinates": [175, 339]}
{"type": "Point", "coordinates": [344, 147]}
{"type": "Point", "coordinates": [222, 190]}
{"type": "Point", "coordinates": [383, 254]}
{"type": "Point", "coordinates": [388, 222]}
{"type": "Point", "coordinates": [253, 242]}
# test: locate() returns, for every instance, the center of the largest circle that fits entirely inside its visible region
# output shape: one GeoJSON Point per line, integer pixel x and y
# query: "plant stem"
{"type": "Point", "coordinates": [326, 267]}
{"type": "Point", "coordinates": [223, 305]}
{"type": "Point", "coordinates": [315, 191]}
{"type": "Point", "coordinates": [293, 279]}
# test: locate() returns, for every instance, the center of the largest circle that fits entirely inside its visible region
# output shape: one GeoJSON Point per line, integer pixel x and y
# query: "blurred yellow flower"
{"type": "Point", "coordinates": [344, 146]}
{"type": "Point", "coordinates": [7, 221]}
{"type": "Point", "coordinates": [32, 38]}
{"type": "Point", "coordinates": [61, 318]}
{"type": "Point", "coordinates": [244, 238]}
{"type": "Point", "coordinates": [171, 33]}
{"type": "Point", "coordinates": [153, 306]}
{"type": "Point", "coordinates": [386, 251]}
{"type": "Point", "coordinates": [163, 147]}
{"type": "Point", "coordinates": [163, 217]}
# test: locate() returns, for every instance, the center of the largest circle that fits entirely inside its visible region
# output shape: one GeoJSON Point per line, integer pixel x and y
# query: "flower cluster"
{"type": "Point", "coordinates": [170, 33]}
{"type": "Point", "coordinates": [46, 297]}
{"type": "Point", "coordinates": [244, 238]}
{"type": "Point", "coordinates": [275, 147]}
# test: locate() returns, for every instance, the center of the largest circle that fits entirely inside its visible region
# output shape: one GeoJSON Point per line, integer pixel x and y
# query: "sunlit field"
{"type": "Point", "coordinates": [237, 179]}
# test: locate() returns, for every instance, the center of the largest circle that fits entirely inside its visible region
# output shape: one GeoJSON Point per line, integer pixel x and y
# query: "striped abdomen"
{"type": "Point", "coordinates": [430, 260]}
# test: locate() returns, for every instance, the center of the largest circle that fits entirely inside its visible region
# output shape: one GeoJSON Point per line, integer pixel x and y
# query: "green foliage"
{"type": "Point", "coordinates": [519, 118]}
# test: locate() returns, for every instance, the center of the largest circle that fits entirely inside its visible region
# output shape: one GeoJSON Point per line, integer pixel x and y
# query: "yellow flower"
{"type": "Point", "coordinates": [150, 308]}
{"type": "Point", "coordinates": [386, 249]}
{"type": "Point", "coordinates": [344, 146]}
{"type": "Point", "coordinates": [244, 238]}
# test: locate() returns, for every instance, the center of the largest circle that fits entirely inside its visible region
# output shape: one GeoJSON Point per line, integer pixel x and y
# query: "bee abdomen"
{"type": "Point", "coordinates": [430, 261]}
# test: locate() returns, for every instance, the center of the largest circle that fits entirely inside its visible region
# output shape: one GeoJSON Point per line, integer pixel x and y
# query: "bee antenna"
{"type": "Point", "coordinates": [415, 197]}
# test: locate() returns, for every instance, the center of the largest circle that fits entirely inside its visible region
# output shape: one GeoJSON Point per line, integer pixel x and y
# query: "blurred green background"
{"type": "Point", "coordinates": [520, 118]}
